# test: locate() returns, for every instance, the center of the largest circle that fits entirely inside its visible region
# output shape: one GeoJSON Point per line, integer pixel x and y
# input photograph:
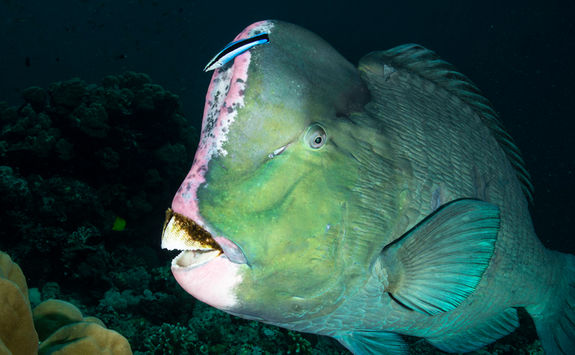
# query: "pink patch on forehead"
{"type": "Point", "coordinates": [224, 97]}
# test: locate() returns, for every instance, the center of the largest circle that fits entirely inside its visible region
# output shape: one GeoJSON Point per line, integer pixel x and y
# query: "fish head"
{"type": "Point", "coordinates": [261, 217]}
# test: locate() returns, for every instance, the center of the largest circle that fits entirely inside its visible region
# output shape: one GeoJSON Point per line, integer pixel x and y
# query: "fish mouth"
{"type": "Point", "coordinates": [197, 245]}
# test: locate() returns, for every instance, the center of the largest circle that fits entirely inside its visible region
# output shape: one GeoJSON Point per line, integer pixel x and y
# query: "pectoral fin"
{"type": "Point", "coordinates": [366, 342]}
{"type": "Point", "coordinates": [438, 263]}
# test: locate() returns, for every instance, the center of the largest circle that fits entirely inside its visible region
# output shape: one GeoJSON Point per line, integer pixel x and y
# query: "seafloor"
{"type": "Point", "coordinates": [86, 173]}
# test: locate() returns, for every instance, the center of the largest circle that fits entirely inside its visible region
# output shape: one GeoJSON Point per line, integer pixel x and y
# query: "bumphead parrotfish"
{"type": "Point", "coordinates": [362, 203]}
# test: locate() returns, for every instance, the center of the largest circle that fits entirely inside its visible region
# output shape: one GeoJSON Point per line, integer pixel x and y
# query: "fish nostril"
{"type": "Point", "coordinates": [277, 152]}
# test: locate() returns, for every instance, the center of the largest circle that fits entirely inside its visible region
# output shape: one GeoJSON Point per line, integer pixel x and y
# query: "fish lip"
{"type": "Point", "coordinates": [232, 251]}
{"type": "Point", "coordinates": [196, 243]}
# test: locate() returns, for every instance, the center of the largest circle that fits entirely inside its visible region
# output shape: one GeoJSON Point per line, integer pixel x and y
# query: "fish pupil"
{"type": "Point", "coordinates": [315, 136]}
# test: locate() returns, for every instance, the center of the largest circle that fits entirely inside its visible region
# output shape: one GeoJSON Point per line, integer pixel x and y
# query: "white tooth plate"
{"type": "Point", "coordinates": [177, 238]}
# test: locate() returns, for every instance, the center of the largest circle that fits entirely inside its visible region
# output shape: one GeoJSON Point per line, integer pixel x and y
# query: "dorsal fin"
{"type": "Point", "coordinates": [427, 64]}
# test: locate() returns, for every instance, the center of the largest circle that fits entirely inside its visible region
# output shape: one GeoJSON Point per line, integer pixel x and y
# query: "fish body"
{"type": "Point", "coordinates": [363, 203]}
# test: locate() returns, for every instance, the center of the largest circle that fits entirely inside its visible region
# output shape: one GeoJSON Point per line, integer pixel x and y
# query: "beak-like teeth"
{"type": "Point", "coordinates": [182, 233]}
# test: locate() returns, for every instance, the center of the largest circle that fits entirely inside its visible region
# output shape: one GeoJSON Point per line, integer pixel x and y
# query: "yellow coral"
{"type": "Point", "coordinates": [85, 338]}
{"type": "Point", "coordinates": [53, 314]}
{"type": "Point", "coordinates": [66, 331]}
{"type": "Point", "coordinates": [17, 334]}
{"type": "Point", "coordinates": [4, 349]}
{"type": "Point", "coordinates": [11, 271]}
{"type": "Point", "coordinates": [95, 320]}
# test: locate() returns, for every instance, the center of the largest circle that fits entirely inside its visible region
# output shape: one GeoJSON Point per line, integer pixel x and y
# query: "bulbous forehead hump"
{"type": "Point", "coordinates": [300, 59]}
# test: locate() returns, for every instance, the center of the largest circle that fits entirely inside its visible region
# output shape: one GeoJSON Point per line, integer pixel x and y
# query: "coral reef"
{"type": "Point", "coordinates": [75, 159]}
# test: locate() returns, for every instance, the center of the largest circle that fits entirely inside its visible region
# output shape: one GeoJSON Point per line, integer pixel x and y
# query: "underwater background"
{"type": "Point", "coordinates": [100, 113]}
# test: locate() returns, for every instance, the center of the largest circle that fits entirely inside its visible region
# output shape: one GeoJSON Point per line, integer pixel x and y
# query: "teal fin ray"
{"type": "Point", "coordinates": [427, 64]}
{"type": "Point", "coordinates": [373, 342]}
{"type": "Point", "coordinates": [439, 262]}
{"type": "Point", "coordinates": [558, 338]}
{"type": "Point", "coordinates": [489, 331]}
{"type": "Point", "coordinates": [555, 318]}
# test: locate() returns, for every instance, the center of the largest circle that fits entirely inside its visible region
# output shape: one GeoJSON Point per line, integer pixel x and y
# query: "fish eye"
{"type": "Point", "coordinates": [316, 136]}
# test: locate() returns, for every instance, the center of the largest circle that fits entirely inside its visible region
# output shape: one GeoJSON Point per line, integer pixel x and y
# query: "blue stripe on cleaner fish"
{"type": "Point", "coordinates": [234, 49]}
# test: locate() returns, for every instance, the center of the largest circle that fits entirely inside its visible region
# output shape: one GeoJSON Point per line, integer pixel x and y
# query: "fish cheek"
{"type": "Point", "coordinates": [299, 276]}
{"type": "Point", "coordinates": [286, 292]}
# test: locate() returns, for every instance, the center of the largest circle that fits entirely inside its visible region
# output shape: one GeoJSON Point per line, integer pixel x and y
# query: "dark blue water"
{"type": "Point", "coordinates": [520, 53]}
